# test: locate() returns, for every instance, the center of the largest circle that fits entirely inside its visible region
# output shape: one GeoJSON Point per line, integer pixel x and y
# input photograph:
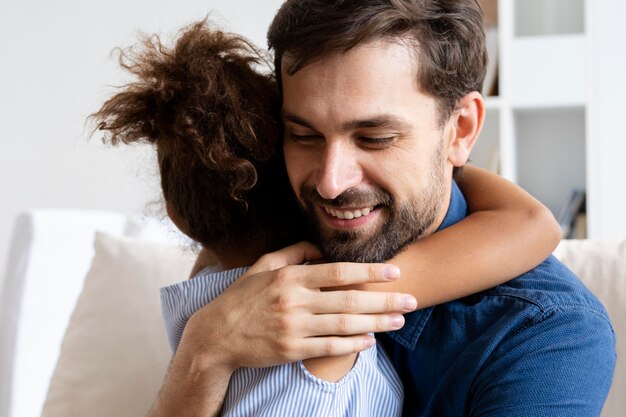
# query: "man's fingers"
{"type": "Point", "coordinates": [315, 347]}
{"type": "Point", "coordinates": [339, 274]}
{"type": "Point", "coordinates": [352, 324]}
{"type": "Point", "coordinates": [360, 302]}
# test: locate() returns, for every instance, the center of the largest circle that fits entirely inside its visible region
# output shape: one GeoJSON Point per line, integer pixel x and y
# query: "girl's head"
{"type": "Point", "coordinates": [213, 117]}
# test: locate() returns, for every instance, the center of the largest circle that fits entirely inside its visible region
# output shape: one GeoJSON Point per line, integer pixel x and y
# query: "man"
{"type": "Point", "coordinates": [380, 106]}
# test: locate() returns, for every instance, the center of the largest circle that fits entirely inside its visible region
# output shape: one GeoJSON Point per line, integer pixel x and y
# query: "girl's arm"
{"type": "Point", "coordinates": [507, 233]}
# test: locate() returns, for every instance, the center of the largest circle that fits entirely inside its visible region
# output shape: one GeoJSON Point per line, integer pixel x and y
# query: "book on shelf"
{"type": "Point", "coordinates": [580, 227]}
{"type": "Point", "coordinates": [573, 216]}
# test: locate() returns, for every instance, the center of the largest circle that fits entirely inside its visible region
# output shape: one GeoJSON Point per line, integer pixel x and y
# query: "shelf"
{"type": "Point", "coordinates": [550, 150]}
{"type": "Point", "coordinates": [549, 17]}
{"type": "Point", "coordinates": [548, 71]}
{"type": "Point", "coordinates": [556, 124]}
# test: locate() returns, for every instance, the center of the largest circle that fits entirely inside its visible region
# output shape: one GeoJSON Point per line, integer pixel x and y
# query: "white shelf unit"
{"type": "Point", "coordinates": [548, 129]}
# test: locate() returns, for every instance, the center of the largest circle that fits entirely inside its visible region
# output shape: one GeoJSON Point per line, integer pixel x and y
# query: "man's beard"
{"type": "Point", "coordinates": [404, 223]}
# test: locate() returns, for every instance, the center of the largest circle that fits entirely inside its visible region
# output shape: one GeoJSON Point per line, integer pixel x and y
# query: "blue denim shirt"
{"type": "Point", "coordinates": [538, 345]}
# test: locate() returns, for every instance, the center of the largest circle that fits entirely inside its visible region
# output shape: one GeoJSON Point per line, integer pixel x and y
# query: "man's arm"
{"type": "Point", "coordinates": [562, 364]}
{"type": "Point", "coordinates": [276, 313]}
{"type": "Point", "coordinates": [191, 389]}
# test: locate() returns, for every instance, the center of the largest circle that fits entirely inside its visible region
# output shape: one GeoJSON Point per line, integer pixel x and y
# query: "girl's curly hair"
{"type": "Point", "coordinates": [213, 118]}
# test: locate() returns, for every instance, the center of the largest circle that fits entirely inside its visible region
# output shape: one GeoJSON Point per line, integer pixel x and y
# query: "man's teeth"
{"type": "Point", "coordinates": [348, 214]}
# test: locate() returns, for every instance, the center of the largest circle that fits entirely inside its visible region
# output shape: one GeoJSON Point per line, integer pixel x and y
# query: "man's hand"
{"type": "Point", "coordinates": [277, 312]}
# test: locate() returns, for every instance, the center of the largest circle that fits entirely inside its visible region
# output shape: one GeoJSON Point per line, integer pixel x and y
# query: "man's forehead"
{"type": "Point", "coordinates": [292, 62]}
{"type": "Point", "coordinates": [381, 65]}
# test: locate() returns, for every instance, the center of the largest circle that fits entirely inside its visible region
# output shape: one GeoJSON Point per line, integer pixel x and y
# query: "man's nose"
{"type": "Point", "coordinates": [339, 170]}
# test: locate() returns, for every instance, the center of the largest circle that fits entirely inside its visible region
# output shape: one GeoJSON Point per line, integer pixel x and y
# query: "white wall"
{"type": "Point", "coordinates": [55, 69]}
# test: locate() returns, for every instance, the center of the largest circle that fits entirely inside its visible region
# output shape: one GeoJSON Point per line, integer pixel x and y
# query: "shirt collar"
{"type": "Point", "coordinates": [415, 321]}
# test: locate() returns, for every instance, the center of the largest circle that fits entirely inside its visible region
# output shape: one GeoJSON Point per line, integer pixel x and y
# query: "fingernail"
{"type": "Point", "coordinates": [397, 321]}
{"type": "Point", "coordinates": [369, 341]}
{"type": "Point", "coordinates": [409, 302]}
{"type": "Point", "coordinates": [391, 272]}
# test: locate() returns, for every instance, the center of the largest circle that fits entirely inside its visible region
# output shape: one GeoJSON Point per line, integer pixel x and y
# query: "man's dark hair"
{"type": "Point", "coordinates": [447, 36]}
{"type": "Point", "coordinates": [213, 118]}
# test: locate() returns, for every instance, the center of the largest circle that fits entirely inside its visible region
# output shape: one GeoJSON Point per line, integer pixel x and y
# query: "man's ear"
{"type": "Point", "coordinates": [465, 124]}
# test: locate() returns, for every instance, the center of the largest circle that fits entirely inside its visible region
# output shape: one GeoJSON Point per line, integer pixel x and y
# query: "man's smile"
{"type": "Point", "coordinates": [348, 218]}
{"type": "Point", "coordinates": [348, 214]}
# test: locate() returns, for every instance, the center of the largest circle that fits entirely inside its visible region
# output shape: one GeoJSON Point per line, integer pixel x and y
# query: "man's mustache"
{"type": "Point", "coordinates": [351, 197]}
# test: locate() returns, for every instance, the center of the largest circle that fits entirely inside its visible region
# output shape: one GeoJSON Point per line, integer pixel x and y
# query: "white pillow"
{"type": "Point", "coordinates": [51, 252]}
{"type": "Point", "coordinates": [115, 353]}
{"type": "Point", "coordinates": [601, 265]}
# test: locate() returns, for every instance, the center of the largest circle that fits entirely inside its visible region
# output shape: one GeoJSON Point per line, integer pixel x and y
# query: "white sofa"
{"type": "Point", "coordinates": [81, 325]}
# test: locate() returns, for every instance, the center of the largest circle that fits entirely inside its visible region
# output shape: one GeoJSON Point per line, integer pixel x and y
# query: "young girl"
{"type": "Point", "coordinates": [214, 120]}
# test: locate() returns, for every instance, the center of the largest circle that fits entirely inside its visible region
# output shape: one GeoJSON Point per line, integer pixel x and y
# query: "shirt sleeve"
{"type": "Point", "coordinates": [561, 364]}
{"type": "Point", "coordinates": [180, 301]}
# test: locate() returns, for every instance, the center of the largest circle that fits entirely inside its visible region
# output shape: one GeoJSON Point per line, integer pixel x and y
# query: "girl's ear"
{"type": "Point", "coordinates": [465, 125]}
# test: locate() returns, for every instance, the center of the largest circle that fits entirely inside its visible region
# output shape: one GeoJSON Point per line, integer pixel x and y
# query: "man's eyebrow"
{"type": "Point", "coordinates": [382, 120]}
{"type": "Point", "coordinates": [296, 119]}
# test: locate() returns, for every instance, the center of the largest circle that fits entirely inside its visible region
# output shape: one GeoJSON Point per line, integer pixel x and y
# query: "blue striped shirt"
{"type": "Point", "coordinates": [371, 388]}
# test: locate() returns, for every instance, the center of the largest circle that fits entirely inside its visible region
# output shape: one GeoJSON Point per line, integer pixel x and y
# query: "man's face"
{"type": "Point", "coordinates": [365, 152]}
